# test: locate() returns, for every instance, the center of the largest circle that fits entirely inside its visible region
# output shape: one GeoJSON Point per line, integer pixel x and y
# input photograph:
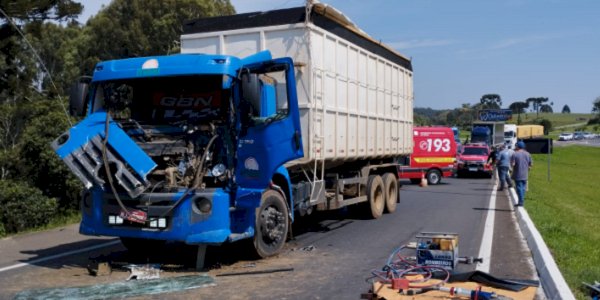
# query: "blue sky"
{"type": "Point", "coordinates": [463, 49]}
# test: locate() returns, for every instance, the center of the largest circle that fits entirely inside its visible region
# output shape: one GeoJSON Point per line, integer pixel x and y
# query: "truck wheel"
{"type": "Point", "coordinates": [376, 195]}
{"type": "Point", "coordinates": [271, 227]}
{"type": "Point", "coordinates": [415, 180]}
{"type": "Point", "coordinates": [143, 246]}
{"type": "Point", "coordinates": [434, 177]}
{"type": "Point", "coordinates": [390, 184]}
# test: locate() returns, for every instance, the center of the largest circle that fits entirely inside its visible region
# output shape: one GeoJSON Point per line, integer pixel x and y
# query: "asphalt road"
{"type": "Point", "coordinates": [332, 255]}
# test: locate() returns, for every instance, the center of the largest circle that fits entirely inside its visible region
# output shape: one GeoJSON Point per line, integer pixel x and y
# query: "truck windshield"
{"type": "Point", "coordinates": [509, 134]}
{"type": "Point", "coordinates": [475, 151]}
{"type": "Point", "coordinates": [162, 100]}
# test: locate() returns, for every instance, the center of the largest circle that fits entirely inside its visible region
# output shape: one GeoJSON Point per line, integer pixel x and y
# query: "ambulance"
{"type": "Point", "coordinates": [433, 157]}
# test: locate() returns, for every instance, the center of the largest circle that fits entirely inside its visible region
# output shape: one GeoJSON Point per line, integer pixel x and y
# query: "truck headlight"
{"type": "Point", "coordinates": [203, 205]}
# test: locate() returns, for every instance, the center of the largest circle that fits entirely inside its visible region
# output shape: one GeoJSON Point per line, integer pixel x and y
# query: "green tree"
{"type": "Point", "coordinates": [566, 109]}
{"type": "Point", "coordinates": [518, 108]}
{"type": "Point", "coordinates": [545, 108]}
{"type": "Point", "coordinates": [41, 10]}
{"type": "Point", "coordinates": [596, 106]}
{"type": "Point", "coordinates": [133, 28]}
{"type": "Point", "coordinates": [547, 125]}
{"type": "Point", "coordinates": [490, 101]}
{"type": "Point", "coordinates": [537, 103]}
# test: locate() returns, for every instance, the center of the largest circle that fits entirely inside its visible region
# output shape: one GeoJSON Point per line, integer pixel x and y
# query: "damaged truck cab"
{"type": "Point", "coordinates": [186, 148]}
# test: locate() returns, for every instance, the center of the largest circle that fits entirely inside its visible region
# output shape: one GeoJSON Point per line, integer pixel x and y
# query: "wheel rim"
{"type": "Point", "coordinates": [272, 226]}
{"type": "Point", "coordinates": [434, 178]}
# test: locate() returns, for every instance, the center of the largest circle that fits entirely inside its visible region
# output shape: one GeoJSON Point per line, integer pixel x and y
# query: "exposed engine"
{"type": "Point", "coordinates": [187, 155]}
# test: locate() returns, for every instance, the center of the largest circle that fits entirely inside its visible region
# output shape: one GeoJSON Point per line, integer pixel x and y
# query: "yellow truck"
{"type": "Point", "coordinates": [529, 131]}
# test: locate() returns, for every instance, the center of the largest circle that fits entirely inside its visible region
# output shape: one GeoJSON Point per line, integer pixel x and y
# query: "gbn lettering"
{"type": "Point", "coordinates": [186, 101]}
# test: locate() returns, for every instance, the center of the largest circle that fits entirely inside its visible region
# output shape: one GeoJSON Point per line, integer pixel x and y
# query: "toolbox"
{"type": "Point", "coordinates": [437, 249]}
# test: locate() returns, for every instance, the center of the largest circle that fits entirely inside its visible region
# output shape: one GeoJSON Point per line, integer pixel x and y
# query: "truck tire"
{"type": "Point", "coordinates": [390, 184]}
{"type": "Point", "coordinates": [434, 176]}
{"type": "Point", "coordinates": [143, 246]}
{"type": "Point", "coordinates": [376, 195]}
{"type": "Point", "coordinates": [271, 225]}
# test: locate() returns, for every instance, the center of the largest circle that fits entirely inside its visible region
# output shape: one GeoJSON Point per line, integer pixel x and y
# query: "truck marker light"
{"type": "Point", "coordinates": [150, 64]}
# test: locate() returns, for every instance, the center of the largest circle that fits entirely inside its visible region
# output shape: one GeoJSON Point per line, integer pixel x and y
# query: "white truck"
{"type": "Point", "coordinates": [355, 97]}
{"type": "Point", "coordinates": [510, 135]}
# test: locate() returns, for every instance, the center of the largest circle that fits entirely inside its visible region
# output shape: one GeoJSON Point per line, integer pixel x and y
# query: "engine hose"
{"type": "Point", "coordinates": [197, 181]}
{"type": "Point", "coordinates": [199, 170]}
{"type": "Point", "coordinates": [106, 164]}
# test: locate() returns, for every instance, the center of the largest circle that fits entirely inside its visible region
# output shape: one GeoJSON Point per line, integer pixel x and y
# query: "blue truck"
{"type": "Point", "coordinates": [207, 149]}
{"type": "Point", "coordinates": [489, 133]}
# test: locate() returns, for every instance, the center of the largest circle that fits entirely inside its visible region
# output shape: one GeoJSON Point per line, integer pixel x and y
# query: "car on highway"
{"type": "Point", "coordinates": [588, 135]}
{"type": "Point", "coordinates": [578, 136]}
{"type": "Point", "coordinates": [474, 160]}
{"type": "Point", "coordinates": [565, 136]}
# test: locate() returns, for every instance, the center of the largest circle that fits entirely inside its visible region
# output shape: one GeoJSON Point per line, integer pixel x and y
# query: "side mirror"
{"type": "Point", "coordinates": [78, 96]}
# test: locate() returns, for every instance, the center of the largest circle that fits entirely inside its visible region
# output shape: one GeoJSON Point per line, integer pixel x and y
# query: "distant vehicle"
{"type": "Point", "coordinates": [589, 135]}
{"type": "Point", "coordinates": [434, 154]}
{"type": "Point", "coordinates": [491, 133]}
{"type": "Point", "coordinates": [529, 131]}
{"type": "Point", "coordinates": [510, 135]}
{"type": "Point", "coordinates": [474, 159]}
{"type": "Point", "coordinates": [565, 136]}
{"type": "Point", "coordinates": [456, 132]}
{"type": "Point", "coordinates": [578, 136]}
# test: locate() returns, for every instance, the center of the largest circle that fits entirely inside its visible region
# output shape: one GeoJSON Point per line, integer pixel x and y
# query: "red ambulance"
{"type": "Point", "coordinates": [434, 155]}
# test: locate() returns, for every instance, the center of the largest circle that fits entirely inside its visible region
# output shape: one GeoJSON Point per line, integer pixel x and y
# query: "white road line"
{"type": "Point", "coordinates": [485, 250]}
{"type": "Point", "coordinates": [51, 257]}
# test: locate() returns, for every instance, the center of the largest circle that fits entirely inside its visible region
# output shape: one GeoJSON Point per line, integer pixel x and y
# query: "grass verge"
{"type": "Point", "coordinates": [566, 211]}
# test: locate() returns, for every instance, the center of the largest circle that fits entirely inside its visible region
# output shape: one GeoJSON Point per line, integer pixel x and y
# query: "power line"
{"type": "Point", "coordinates": [10, 20]}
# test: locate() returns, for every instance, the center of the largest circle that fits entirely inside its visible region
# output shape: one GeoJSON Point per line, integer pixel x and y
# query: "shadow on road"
{"type": "Point", "coordinates": [497, 209]}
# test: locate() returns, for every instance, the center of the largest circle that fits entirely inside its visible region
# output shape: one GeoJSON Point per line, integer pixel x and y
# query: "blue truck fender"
{"type": "Point", "coordinates": [281, 179]}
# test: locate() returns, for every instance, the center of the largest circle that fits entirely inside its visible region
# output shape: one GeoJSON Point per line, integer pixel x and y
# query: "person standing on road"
{"type": "Point", "coordinates": [521, 162]}
{"type": "Point", "coordinates": [491, 160]}
{"type": "Point", "coordinates": [503, 164]}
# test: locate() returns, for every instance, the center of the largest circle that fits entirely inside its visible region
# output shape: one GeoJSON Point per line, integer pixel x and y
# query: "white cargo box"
{"type": "Point", "coordinates": [355, 94]}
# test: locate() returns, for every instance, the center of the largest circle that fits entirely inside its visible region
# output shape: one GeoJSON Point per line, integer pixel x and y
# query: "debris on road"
{"type": "Point", "coordinates": [145, 272]}
{"type": "Point", "coordinates": [121, 289]}
{"type": "Point", "coordinates": [99, 268]}
{"type": "Point", "coordinates": [427, 276]}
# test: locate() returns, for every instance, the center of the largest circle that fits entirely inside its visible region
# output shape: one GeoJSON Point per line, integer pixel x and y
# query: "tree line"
{"type": "Point", "coordinates": [43, 49]}
{"type": "Point", "coordinates": [467, 113]}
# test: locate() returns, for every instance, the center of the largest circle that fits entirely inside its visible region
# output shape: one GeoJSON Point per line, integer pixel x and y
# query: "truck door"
{"type": "Point", "coordinates": [270, 133]}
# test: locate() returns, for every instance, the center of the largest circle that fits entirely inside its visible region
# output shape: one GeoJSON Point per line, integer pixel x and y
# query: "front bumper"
{"type": "Point", "coordinates": [474, 167]}
{"type": "Point", "coordinates": [185, 223]}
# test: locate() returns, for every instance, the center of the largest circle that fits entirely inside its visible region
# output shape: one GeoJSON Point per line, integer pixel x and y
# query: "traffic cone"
{"type": "Point", "coordinates": [423, 180]}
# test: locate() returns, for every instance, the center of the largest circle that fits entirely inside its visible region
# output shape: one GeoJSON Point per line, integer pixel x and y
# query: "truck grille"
{"type": "Point", "coordinates": [86, 163]}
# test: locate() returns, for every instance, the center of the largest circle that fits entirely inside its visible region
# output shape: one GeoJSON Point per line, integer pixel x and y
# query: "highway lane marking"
{"type": "Point", "coordinates": [55, 256]}
{"type": "Point", "coordinates": [485, 250]}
